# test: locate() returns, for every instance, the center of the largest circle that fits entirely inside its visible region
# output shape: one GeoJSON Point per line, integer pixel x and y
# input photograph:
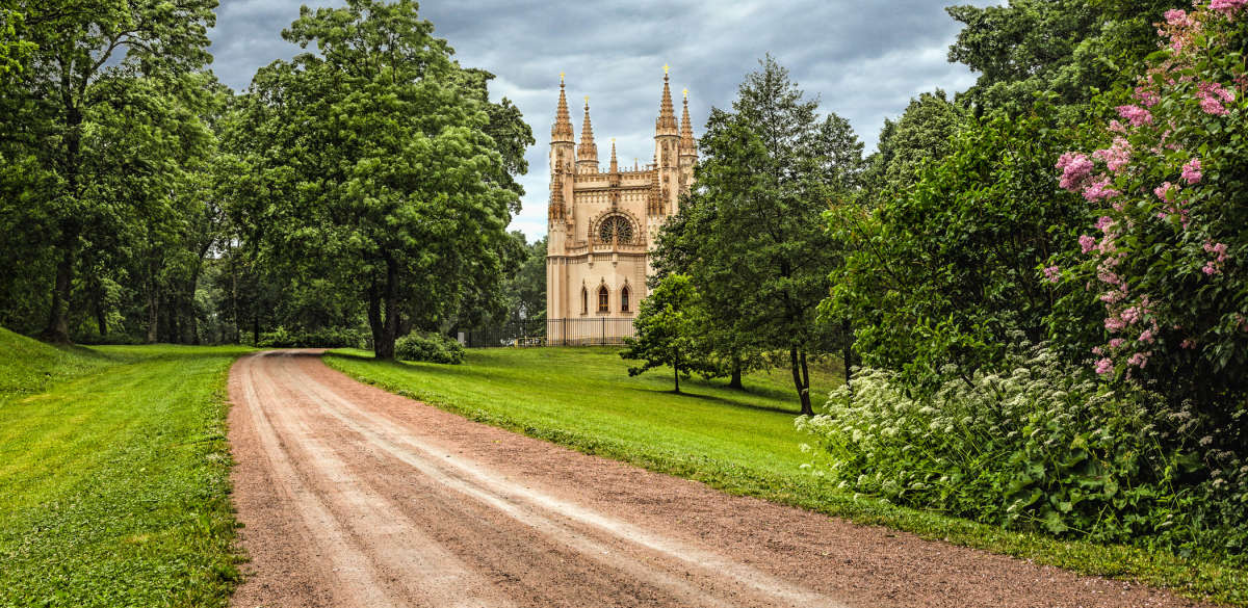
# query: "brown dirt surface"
{"type": "Point", "coordinates": [351, 496]}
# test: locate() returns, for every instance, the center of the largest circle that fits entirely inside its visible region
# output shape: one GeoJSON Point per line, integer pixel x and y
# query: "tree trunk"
{"type": "Point", "coordinates": [153, 315]}
{"type": "Point", "coordinates": [101, 315]}
{"type": "Point", "coordinates": [238, 337]}
{"type": "Point", "coordinates": [57, 330]}
{"type": "Point", "coordinates": [803, 388]}
{"type": "Point", "coordinates": [255, 327]}
{"type": "Point", "coordinates": [374, 313]}
{"type": "Point", "coordinates": [676, 372]}
{"type": "Point", "coordinates": [847, 354]}
{"type": "Point", "coordinates": [735, 381]}
{"type": "Point", "coordinates": [384, 348]}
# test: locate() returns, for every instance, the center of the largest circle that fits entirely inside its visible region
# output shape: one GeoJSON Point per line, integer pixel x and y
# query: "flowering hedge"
{"type": "Point", "coordinates": [1165, 258]}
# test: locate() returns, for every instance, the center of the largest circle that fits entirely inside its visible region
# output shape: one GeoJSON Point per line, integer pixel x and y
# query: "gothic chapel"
{"type": "Point", "coordinates": [602, 225]}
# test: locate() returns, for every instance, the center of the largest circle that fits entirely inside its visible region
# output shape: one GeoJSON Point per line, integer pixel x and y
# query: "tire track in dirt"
{"type": "Point", "coordinates": [356, 497]}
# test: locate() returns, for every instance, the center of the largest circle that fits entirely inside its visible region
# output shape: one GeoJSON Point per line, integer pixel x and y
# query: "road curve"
{"type": "Point", "coordinates": [351, 496]}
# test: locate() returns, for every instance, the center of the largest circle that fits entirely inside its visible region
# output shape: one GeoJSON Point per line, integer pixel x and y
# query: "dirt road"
{"type": "Point", "coordinates": [355, 497]}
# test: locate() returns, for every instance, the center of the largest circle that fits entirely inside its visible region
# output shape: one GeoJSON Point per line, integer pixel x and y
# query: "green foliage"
{"type": "Point", "coordinates": [922, 135]}
{"type": "Point", "coordinates": [1067, 49]}
{"type": "Point", "coordinates": [429, 347]}
{"type": "Point", "coordinates": [315, 338]}
{"type": "Point", "coordinates": [667, 326]}
{"type": "Point", "coordinates": [374, 163]}
{"type": "Point", "coordinates": [114, 479]}
{"type": "Point", "coordinates": [1037, 447]}
{"type": "Point", "coordinates": [941, 274]}
{"type": "Point", "coordinates": [103, 142]}
{"type": "Point", "coordinates": [749, 235]}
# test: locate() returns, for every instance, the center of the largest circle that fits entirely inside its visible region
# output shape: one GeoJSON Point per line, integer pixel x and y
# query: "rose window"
{"type": "Point", "coordinates": [615, 227]}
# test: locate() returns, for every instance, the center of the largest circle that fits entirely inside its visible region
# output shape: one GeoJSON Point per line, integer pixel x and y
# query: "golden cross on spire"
{"type": "Point", "coordinates": [686, 92]}
{"type": "Point", "coordinates": [561, 74]}
{"type": "Point", "coordinates": [587, 100]}
{"type": "Point", "coordinates": [666, 68]}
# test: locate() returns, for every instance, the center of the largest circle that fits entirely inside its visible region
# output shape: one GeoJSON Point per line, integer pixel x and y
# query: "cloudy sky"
{"type": "Point", "coordinates": [863, 60]}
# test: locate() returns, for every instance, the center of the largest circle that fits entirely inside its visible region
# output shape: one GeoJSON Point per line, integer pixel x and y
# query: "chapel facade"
{"type": "Point", "coordinates": [603, 224]}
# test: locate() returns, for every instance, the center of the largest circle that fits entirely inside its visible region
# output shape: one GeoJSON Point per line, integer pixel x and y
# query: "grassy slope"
{"type": "Point", "coordinates": [743, 443]}
{"type": "Point", "coordinates": [114, 476]}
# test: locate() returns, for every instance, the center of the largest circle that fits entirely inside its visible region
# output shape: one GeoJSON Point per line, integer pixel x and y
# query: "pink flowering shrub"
{"type": "Point", "coordinates": [1171, 190]}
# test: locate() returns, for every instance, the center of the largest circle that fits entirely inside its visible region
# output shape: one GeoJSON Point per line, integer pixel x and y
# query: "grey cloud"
{"type": "Point", "coordinates": [863, 60]}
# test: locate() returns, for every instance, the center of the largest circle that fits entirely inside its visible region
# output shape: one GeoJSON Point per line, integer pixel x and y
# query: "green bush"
{"type": "Point", "coordinates": [429, 347]}
{"type": "Point", "coordinates": [1040, 447]}
{"type": "Point", "coordinates": [319, 338]}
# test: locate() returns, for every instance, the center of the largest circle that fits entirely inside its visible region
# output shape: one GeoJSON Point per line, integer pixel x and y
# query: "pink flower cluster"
{"type": "Point", "coordinates": [1214, 266]}
{"type": "Point", "coordinates": [1099, 190]}
{"type": "Point", "coordinates": [1104, 366]}
{"type": "Point", "coordinates": [1229, 7]}
{"type": "Point", "coordinates": [1135, 115]}
{"type": "Point", "coordinates": [1146, 96]}
{"type": "Point", "coordinates": [1212, 97]}
{"type": "Point", "coordinates": [1053, 274]}
{"type": "Point", "coordinates": [1178, 18]}
{"type": "Point", "coordinates": [1191, 172]}
{"type": "Point", "coordinates": [1075, 170]}
{"type": "Point", "coordinates": [1117, 156]}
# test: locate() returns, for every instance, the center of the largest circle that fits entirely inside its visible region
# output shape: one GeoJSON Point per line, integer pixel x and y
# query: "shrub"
{"type": "Point", "coordinates": [1164, 262]}
{"type": "Point", "coordinates": [319, 338]}
{"type": "Point", "coordinates": [1038, 447]}
{"type": "Point", "coordinates": [430, 347]}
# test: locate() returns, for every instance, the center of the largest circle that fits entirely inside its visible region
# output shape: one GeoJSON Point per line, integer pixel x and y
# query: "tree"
{"type": "Point", "coordinates": [940, 278]}
{"type": "Point", "coordinates": [667, 328]}
{"type": "Point", "coordinates": [1070, 48]}
{"type": "Point", "coordinates": [750, 234]}
{"type": "Point", "coordinates": [377, 163]}
{"type": "Point", "coordinates": [91, 122]}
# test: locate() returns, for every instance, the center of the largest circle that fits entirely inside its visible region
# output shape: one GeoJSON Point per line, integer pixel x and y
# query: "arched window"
{"type": "Point", "coordinates": [624, 299]}
{"type": "Point", "coordinates": [615, 227]}
{"type": "Point", "coordinates": [604, 299]}
{"type": "Point", "coordinates": [584, 301]}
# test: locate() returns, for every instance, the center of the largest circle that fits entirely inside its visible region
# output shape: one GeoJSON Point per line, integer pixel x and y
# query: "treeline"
{"type": "Point", "coordinates": [349, 196]}
{"type": "Point", "coordinates": [1038, 281]}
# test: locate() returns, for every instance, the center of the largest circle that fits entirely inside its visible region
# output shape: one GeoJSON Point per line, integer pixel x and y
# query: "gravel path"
{"type": "Point", "coordinates": [351, 496]}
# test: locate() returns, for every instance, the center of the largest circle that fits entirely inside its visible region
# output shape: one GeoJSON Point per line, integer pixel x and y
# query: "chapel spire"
{"type": "Point", "coordinates": [615, 165]}
{"type": "Point", "coordinates": [666, 124]}
{"type": "Point", "coordinates": [562, 129]}
{"type": "Point", "coordinates": [688, 147]}
{"type": "Point", "coordinates": [587, 152]}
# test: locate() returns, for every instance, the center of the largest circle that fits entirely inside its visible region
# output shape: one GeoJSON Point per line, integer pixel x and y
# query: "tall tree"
{"type": "Point", "coordinates": [1068, 48]}
{"type": "Point", "coordinates": [377, 162]}
{"type": "Point", "coordinates": [90, 123]}
{"type": "Point", "coordinates": [751, 232]}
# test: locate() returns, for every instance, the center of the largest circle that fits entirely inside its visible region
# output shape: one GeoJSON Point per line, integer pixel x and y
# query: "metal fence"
{"type": "Point", "coordinates": [552, 332]}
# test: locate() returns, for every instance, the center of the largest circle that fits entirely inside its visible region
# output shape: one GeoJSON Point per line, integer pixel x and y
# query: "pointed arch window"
{"type": "Point", "coordinates": [584, 301]}
{"type": "Point", "coordinates": [624, 293]}
{"type": "Point", "coordinates": [604, 299]}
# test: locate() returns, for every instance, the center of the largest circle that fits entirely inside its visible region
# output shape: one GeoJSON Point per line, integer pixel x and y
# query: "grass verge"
{"type": "Point", "coordinates": [114, 476]}
{"type": "Point", "coordinates": [741, 443]}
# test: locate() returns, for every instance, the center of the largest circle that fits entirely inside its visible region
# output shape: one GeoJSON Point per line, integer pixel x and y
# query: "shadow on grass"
{"type": "Point", "coordinates": [719, 400]}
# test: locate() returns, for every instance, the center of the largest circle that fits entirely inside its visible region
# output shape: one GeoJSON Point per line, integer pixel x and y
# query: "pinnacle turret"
{"type": "Point", "coordinates": [688, 147]}
{"type": "Point", "coordinates": [666, 124]}
{"type": "Point", "coordinates": [587, 151]}
{"type": "Point", "coordinates": [615, 165]}
{"type": "Point", "coordinates": [562, 129]}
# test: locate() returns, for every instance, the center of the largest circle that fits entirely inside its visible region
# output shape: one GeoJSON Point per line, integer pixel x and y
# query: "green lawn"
{"type": "Point", "coordinates": [742, 443]}
{"type": "Point", "coordinates": [114, 476]}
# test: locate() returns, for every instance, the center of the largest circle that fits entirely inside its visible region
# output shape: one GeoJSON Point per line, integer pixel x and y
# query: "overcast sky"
{"type": "Point", "coordinates": [863, 60]}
